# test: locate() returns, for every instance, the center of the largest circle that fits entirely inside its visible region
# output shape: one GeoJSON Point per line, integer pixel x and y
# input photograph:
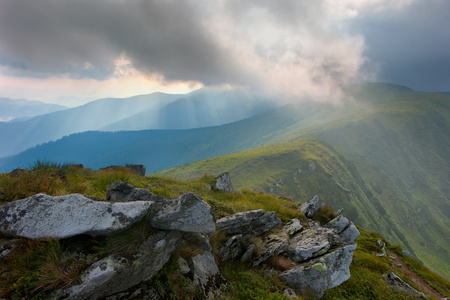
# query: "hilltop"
{"type": "Point", "coordinates": [36, 269]}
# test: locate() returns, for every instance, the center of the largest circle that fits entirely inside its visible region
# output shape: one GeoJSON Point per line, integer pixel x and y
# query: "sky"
{"type": "Point", "coordinates": [72, 52]}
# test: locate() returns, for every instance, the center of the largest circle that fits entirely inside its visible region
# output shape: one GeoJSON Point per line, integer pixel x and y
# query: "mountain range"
{"type": "Point", "coordinates": [204, 107]}
{"type": "Point", "coordinates": [22, 109]}
{"type": "Point", "coordinates": [381, 154]}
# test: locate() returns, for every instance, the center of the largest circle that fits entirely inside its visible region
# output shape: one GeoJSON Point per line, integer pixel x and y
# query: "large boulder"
{"type": "Point", "coordinates": [250, 224]}
{"type": "Point", "coordinates": [186, 213]}
{"type": "Point", "coordinates": [323, 273]}
{"type": "Point", "coordinates": [310, 207]}
{"type": "Point", "coordinates": [339, 224]}
{"type": "Point", "coordinates": [138, 169]}
{"type": "Point", "coordinates": [114, 274]}
{"type": "Point", "coordinates": [42, 216]}
{"type": "Point", "coordinates": [310, 243]}
{"type": "Point", "coordinates": [223, 183]}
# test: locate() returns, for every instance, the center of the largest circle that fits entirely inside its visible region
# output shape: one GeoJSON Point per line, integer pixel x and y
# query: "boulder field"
{"type": "Point", "coordinates": [316, 257]}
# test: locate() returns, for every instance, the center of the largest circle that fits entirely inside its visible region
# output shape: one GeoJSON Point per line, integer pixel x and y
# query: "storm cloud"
{"type": "Point", "coordinates": [294, 48]}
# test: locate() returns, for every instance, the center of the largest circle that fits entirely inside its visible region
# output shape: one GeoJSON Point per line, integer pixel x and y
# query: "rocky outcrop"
{"type": "Point", "coordinates": [310, 243]}
{"type": "Point", "coordinates": [42, 216]}
{"type": "Point", "coordinates": [398, 284]}
{"type": "Point", "coordinates": [186, 213]}
{"type": "Point", "coordinates": [310, 207]}
{"type": "Point", "coordinates": [223, 183]}
{"type": "Point", "coordinates": [118, 273]}
{"type": "Point", "coordinates": [138, 169]}
{"type": "Point", "coordinates": [250, 223]}
{"type": "Point", "coordinates": [323, 273]}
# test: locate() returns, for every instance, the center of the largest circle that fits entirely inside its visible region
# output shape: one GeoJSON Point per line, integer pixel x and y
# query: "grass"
{"type": "Point", "coordinates": [35, 268]}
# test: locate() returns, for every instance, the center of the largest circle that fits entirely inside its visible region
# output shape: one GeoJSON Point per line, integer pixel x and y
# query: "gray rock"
{"type": "Point", "coordinates": [186, 213]}
{"type": "Point", "coordinates": [113, 274]}
{"type": "Point", "coordinates": [398, 284]}
{"type": "Point", "coordinates": [339, 224]}
{"type": "Point", "coordinates": [42, 216]}
{"type": "Point", "coordinates": [223, 183]}
{"type": "Point", "coordinates": [232, 249]}
{"type": "Point", "coordinates": [274, 244]}
{"type": "Point", "coordinates": [250, 223]}
{"type": "Point", "coordinates": [321, 274]}
{"type": "Point", "coordinates": [292, 228]}
{"type": "Point", "coordinates": [310, 207]}
{"type": "Point", "coordinates": [198, 239]}
{"type": "Point", "coordinates": [183, 265]}
{"type": "Point", "coordinates": [310, 243]}
{"type": "Point", "coordinates": [290, 293]}
{"type": "Point", "coordinates": [206, 275]}
{"type": "Point", "coordinates": [349, 235]}
{"type": "Point", "coordinates": [249, 253]}
{"type": "Point", "coordinates": [138, 169]}
{"type": "Point", "coordinates": [119, 191]}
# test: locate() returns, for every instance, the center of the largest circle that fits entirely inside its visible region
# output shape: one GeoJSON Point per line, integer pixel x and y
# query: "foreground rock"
{"type": "Point", "coordinates": [117, 273]}
{"type": "Point", "coordinates": [186, 213]}
{"type": "Point", "coordinates": [250, 223]}
{"type": "Point", "coordinates": [224, 183]}
{"type": "Point", "coordinates": [206, 275]}
{"type": "Point", "coordinates": [310, 207]}
{"type": "Point", "coordinates": [323, 273]}
{"type": "Point", "coordinates": [42, 216]}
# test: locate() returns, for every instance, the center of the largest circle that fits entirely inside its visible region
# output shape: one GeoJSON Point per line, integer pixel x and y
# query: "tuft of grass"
{"type": "Point", "coordinates": [325, 214]}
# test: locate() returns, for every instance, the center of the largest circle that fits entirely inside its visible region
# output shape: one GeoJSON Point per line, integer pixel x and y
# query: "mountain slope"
{"type": "Point", "coordinates": [204, 107]}
{"type": "Point", "coordinates": [11, 109]}
{"type": "Point", "coordinates": [397, 139]}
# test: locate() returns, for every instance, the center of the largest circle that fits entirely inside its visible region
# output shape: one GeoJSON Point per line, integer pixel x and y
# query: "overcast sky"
{"type": "Point", "coordinates": [71, 52]}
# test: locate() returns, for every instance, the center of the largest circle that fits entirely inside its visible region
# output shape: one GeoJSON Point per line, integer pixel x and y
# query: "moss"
{"type": "Point", "coordinates": [320, 267]}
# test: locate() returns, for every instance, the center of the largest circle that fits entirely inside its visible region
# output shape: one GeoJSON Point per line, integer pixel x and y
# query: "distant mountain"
{"type": "Point", "coordinates": [206, 107]}
{"type": "Point", "coordinates": [397, 139]}
{"type": "Point", "coordinates": [201, 108]}
{"type": "Point", "coordinates": [11, 109]}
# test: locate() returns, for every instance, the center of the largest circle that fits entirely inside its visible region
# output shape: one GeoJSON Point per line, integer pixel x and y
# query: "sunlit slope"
{"type": "Point", "coordinates": [298, 170]}
{"type": "Point", "coordinates": [400, 146]}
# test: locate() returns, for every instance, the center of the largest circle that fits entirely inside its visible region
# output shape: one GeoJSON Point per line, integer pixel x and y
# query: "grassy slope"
{"type": "Point", "coordinates": [42, 266]}
{"type": "Point", "coordinates": [398, 140]}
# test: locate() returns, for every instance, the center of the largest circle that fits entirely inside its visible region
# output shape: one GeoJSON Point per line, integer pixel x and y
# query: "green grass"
{"type": "Point", "coordinates": [35, 268]}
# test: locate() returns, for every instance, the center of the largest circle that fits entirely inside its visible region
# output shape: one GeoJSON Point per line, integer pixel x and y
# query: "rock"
{"type": "Point", "coordinates": [323, 273]}
{"type": "Point", "coordinates": [223, 183]}
{"type": "Point", "coordinates": [349, 235]}
{"type": "Point", "coordinates": [114, 274]}
{"type": "Point", "coordinates": [249, 253]}
{"type": "Point", "coordinates": [339, 224]}
{"type": "Point", "coordinates": [311, 207]}
{"type": "Point", "coordinates": [250, 224]}
{"type": "Point", "coordinates": [198, 239]}
{"type": "Point", "coordinates": [42, 216]}
{"type": "Point", "coordinates": [274, 244]}
{"type": "Point", "coordinates": [183, 265]}
{"type": "Point", "coordinates": [206, 275]}
{"type": "Point", "coordinates": [232, 249]}
{"type": "Point", "coordinates": [2, 192]}
{"type": "Point", "coordinates": [292, 228]}
{"type": "Point", "coordinates": [290, 293]}
{"type": "Point", "coordinates": [17, 172]}
{"type": "Point", "coordinates": [310, 243]}
{"type": "Point", "coordinates": [186, 213]}
{"type": "Point", "coordinates": [119, 191]}
{"type": "Point", "coordinates": [138, 169]}
{"type": "Point", "coordinates": [339, 212]}
{"type": "Point", "coordinates": [398, 284]}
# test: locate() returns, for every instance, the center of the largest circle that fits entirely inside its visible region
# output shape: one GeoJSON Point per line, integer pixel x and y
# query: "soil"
{"type": "Point", "coordinates": [423, 287]}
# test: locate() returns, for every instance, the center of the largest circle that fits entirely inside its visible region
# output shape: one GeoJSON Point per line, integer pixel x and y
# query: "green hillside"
{"type": "Point", "coordinates": [37, 267]}
{"type": "Point", "coordinates": [398, 142]}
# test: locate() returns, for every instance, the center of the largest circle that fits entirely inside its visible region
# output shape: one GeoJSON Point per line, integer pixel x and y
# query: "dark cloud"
{"type": "Point", "coordinates": [410, 46]}
{"type": "Point", "coordinates": [84, 37]}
